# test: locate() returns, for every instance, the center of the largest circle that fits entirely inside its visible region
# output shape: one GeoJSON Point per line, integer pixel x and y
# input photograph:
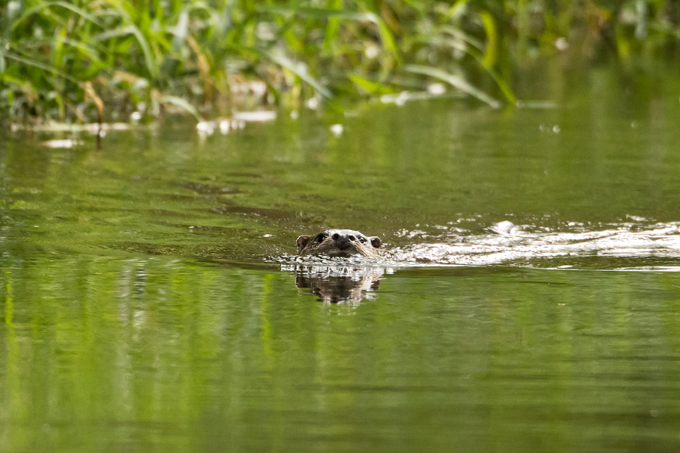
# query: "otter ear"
{"type": "Point", "coordinates": [375, 241]}
{"type": "Point", "coordinates": [302, 242]}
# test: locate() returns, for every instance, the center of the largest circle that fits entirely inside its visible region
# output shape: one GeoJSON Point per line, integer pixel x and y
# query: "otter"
{"type": "Point", "coordinates": [339, 243]}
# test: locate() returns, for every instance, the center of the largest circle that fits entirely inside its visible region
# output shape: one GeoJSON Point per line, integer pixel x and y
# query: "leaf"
{"type": "Point", "coordinates": [502, 84]}
{"type": "Point", "coordinates": [181, 103]}
{"type": "Point", "coordinates": [85, 49]}
{"type": "Point", "coordinates": [439, 41]}
{"type": "Point", "coordinates": [454, 80]}
{"type": "Point", "coordinates": [463, 36]}
{"type": "Point", "coordinates": [368, 86]}
{"type": "Point", "coordinates": [136, 32]}
{"type": "Point", "coordinates": [333, 25]}
{"type": "Point", "coordinates": [180, 30]}
{"type": "Point", "coordinates": [68, 6]}
{"type": "Point", "coordinates": [26, 87]}
{"type": "Point", "coordinates": [300, 69]}
{"type": "Point", "coordinates": [321, 13]}
{"type": "Point", "coordinates": [490, 54]}
{"type": "Point", "coordinates": [2, 62]}
{"type": "Point", "coordinates": [39, 65]}
{"type": "Point", "coordinates": [453, 11]}
{"type": "Point", "coordinates": [387, 39]}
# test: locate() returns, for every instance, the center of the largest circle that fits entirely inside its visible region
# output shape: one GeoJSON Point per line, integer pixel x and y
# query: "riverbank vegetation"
{"type": "Point", "coordinates": [79, 61]}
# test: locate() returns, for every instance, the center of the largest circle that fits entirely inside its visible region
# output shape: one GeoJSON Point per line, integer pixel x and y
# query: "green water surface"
{"type": "Point", "coordinates": [144, 307]}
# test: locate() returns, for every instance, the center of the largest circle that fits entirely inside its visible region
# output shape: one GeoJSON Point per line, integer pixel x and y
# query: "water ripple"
{"type": "Point", "coordinates": [505, 245]}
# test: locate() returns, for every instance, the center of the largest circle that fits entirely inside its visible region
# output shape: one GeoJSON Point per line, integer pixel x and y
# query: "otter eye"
{"type": "Point", "coordinates": [362, 239]}
{"type": "Point", "coordinates": [336, 236]}
{"type": "Point", "coordinates": [322, 237]}
{"type": "Point", "coordinates": [351, 237]}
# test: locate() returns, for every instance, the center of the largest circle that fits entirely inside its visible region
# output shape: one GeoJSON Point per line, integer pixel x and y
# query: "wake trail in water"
{"type": "Point", "coordinates": [507, 244]}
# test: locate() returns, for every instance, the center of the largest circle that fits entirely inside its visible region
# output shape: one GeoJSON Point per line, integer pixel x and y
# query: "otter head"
{"type": "Point", "coordinates": [339, 243]}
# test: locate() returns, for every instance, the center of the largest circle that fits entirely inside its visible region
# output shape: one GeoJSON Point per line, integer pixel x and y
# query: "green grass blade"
{"type": "Point", "coordinates": [455, 81]}
{"type": "Point", "coordinates": [502, 84]}
{"type": "Point", "coordinates": [298, 68]}
{"type": "Point", "coordinates": [453, 10]}
{"type": "Point", "coordinates": [184, 105]}
{"type": "Point", "coordinates": [322, 13]}
{"type": "Point", "coordinates": [460, 34]}
{"type": "Point", "coordinates": [387, 38]}
{"type": "Point", "coordinates": [491, 51]}
{"type": "Point", "coordinates": [133, 30]}
{"type": "Point", "coordinates": [368, 86]}
{"type": "Point", "coordinates": [85, 49]}
{"type": "Point", "coordinates": [180, 31]}
{"type": "Point", "coordinates": [39, 65]}
{"type": "Point", "coordinates": [68, 6]}
{"type": "Point", "coordinates": [333, 25]}
{"type": "Point", "coordinates": [26, 87]}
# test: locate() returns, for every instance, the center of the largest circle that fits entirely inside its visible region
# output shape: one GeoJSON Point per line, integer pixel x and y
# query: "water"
{"type": "Point", "coordinates": [151, 299]}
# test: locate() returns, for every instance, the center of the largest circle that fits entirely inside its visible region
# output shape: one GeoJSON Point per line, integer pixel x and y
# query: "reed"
{"type": "Point", "coordinates": [75, 60]}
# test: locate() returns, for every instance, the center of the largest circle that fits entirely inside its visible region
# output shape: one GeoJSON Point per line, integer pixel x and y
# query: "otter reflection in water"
{"type": "Point", "coordinates": [338, 284]}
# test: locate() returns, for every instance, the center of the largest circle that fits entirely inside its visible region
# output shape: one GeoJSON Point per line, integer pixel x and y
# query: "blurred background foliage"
{"type": "Point", "coordinates": [79, 61]}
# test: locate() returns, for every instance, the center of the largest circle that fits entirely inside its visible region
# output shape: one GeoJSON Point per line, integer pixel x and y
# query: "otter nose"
{"type": "Point", "coordinates": [342, 242]}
